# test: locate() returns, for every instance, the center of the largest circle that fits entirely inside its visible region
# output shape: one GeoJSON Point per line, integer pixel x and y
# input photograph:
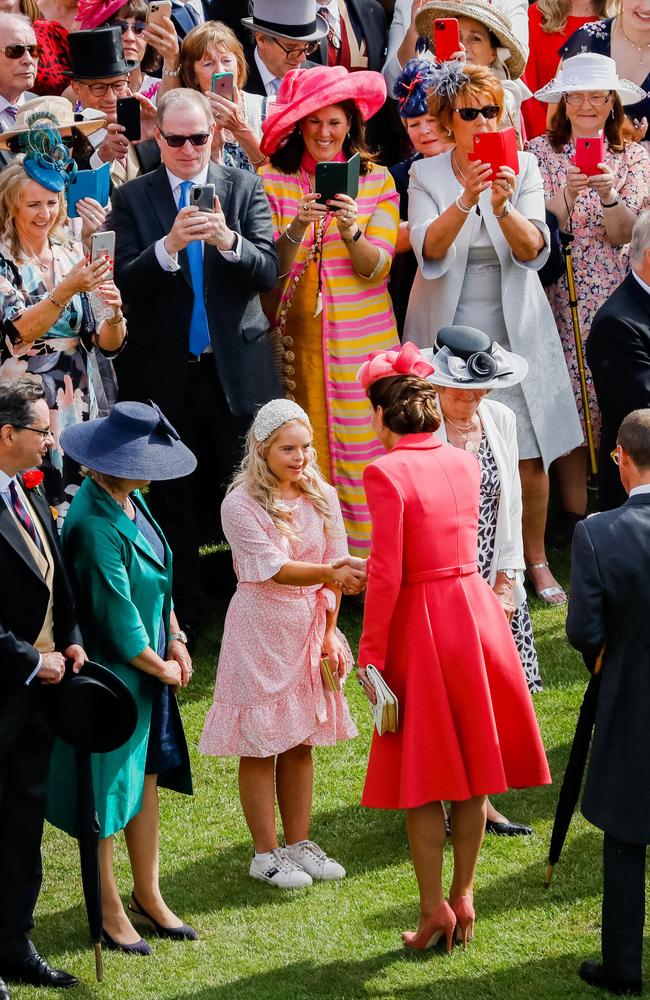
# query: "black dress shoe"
{"type": "Point", "coordinates": [507, 829]}
{"type": "Point", "coordinates": [4, 991]}
{"type": "Point", "coordinates": [35, 971]}
{"type": "Point", "coordinates": [595, 974]}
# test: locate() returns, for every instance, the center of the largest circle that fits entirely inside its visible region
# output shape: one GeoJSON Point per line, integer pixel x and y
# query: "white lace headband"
{"type": "Point", "coordinates": [272, 415]}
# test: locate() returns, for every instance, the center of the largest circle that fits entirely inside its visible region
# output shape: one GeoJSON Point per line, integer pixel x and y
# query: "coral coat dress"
{"type": "Point", "coordinates": [435, 628]}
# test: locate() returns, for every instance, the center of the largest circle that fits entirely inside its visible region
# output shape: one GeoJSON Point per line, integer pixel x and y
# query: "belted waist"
{"type": "Point", "coordinates": [465, 569]}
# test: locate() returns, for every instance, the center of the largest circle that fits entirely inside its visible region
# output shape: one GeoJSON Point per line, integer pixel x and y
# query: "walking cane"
{"type": "Point", "coordinates": [566, 239]}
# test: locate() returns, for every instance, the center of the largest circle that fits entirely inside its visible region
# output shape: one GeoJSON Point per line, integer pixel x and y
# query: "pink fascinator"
{"type": "Point", "coordinates": [383, 364]}
{"type": "Point", "coordinates": [94, 13]}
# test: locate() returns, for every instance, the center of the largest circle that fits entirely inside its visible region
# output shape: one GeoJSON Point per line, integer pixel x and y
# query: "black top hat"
{"type": "Point", "coordinates": [97, 54]}
{"type": "Point", "coordinates": [92, 710]}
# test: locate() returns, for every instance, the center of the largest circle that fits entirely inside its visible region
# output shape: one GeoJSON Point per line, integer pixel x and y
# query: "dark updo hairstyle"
{"type": "Point", "coordinates": [408, 402]}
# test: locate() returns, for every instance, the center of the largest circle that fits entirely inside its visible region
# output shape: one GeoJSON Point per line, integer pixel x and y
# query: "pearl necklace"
{"type": "Point", "coordinates": [465, 433]}
{"type": "Point", "coordinates": [641, 49]}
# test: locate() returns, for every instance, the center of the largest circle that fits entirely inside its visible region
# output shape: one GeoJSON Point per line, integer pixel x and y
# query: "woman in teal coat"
{"type": "Point", "coordinates": [121, 570]}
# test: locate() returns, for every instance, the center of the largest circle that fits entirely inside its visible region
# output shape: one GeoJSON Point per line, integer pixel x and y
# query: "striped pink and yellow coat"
{"type": "Point", "coordinates": [357, 318]}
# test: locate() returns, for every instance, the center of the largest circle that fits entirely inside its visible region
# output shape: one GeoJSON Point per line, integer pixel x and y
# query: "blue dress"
{"type": "Point", "coordinates": [597, 37]}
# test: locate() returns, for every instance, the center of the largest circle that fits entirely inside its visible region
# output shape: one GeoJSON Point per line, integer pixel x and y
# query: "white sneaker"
{"type": "Point", "coordinates": [309, 856]}
{"type": "Point", "coordinates": [278, 869]}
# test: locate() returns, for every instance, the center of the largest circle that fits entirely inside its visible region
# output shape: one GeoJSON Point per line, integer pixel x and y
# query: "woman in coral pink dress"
{"type": "Point", "coordinates": [438, 633]}
{"type": "Point", "coordinates": [284, 525]}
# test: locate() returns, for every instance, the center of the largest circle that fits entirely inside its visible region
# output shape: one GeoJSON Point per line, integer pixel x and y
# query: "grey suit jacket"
{"type": "Point", "coordinates": [159, 303]}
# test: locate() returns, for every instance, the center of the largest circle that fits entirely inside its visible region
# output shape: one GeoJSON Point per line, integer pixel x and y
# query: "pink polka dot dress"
{"type": "Point", "coordinates": [269, 695]}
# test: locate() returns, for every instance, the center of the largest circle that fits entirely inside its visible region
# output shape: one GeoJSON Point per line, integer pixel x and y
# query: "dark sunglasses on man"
{"type": "Point", "coordinates": [17, 51]}
{"type": "Point", "coordinates": [471, 114]}
{"type": "Point", "coordinates": [196, 139]}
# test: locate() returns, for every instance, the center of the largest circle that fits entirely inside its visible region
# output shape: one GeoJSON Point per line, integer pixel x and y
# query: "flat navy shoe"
{"type": "Point", "coordinates": [507, 829]}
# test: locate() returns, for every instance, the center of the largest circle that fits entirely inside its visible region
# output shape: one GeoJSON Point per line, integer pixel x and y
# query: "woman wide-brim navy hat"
{"type": "Point", "coordinates": [135, 441]}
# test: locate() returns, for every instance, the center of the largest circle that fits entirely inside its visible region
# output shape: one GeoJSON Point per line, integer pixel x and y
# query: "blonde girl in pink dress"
{"type": "Point", "coordinates": [285, 529]}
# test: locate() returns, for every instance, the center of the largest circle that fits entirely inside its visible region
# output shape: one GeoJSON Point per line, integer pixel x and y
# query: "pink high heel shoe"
{"type": "Point", "coordinates": [441, 923]}
{"type": "Point", "coordinates": [463, 910]}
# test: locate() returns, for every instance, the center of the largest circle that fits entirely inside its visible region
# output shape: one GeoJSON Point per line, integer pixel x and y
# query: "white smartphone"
{"type": "Point", "coordinates": [159, 9]}
{"type": "Point", "coordinates": [102, 244]}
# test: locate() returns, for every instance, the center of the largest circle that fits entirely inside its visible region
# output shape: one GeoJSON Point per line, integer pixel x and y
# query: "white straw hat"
{"type": "Point", "coordinates": [589, 71]}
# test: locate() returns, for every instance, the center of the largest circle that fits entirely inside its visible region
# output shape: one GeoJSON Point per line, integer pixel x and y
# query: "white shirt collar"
{"type": "Point", "coordinates": [644, 285]}
{"type": "Point", "coordinates": [645, 488]}
{"type": "Point", "coordinates": [4, 481]}
{"type": "Point", "coordinates": [4, 103]}
{"type": "Point", "coordinates": [268, 78]}
{"type": "Point", "coordinates": [175, 182]}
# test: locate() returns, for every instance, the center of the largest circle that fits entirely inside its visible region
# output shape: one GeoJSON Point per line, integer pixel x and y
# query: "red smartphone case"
{"type": "Point", "coordinates": [499, 149]}
{"type": "Point", "coordinates": [446, 38]}
{"type": "Point", "coordinates": [589, 153]}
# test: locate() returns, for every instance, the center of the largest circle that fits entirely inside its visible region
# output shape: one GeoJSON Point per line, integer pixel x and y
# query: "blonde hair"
{"type": "Point", "coordinates": [12, 181]}
{"type": "Point", "coordinates": [197, 42]}
{"type": "Point", "coordinates": [261, 484]}
{"type": "Point", "coordinates": [555, 13]}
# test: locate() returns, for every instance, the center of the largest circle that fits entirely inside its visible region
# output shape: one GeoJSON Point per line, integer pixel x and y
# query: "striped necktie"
{"type": "Point", "coordinates": [22, 514]}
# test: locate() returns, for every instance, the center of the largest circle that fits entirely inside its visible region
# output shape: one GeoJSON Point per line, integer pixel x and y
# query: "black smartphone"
{"type": "Point", "coordinates": [338, 178]}
{"type": "Point", "coordinates": [202, 195]}
{"type": "Point", "coordinates": [128, 115]}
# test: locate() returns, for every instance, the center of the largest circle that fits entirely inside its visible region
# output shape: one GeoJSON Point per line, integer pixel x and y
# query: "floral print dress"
{"type": "Point", "coordinates": [599, 265]}
{"type": "Point", "coordinates": [78, 380]}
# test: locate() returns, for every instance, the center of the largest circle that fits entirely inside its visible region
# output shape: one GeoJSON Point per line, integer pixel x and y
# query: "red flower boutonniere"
{"type": "Point", "coordinates": [32, 479]}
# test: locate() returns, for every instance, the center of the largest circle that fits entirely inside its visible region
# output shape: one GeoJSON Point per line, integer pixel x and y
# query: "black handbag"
{"type": "Point", "coordinates": [555, 266]}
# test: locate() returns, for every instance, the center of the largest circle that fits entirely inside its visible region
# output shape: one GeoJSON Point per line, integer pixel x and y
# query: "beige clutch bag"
{"type": "Point", "coordinates": [386, 711]}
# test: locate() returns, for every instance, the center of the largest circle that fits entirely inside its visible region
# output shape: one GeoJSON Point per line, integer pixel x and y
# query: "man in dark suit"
{"type": "Point", "coordinates": [198, 343]}
{"type": "Point", "coordinates": [186, 15]}
{"type": "Point", "coordinates": [17, 75]}
{"type": "Point", "coordinates": [618, 354]}
{"type": "Point", "coordinates": [282, 34]}
{"type": "Point", "coordinates": [38, 631]}
{"type": "Point", "coordinates": [610, 608]}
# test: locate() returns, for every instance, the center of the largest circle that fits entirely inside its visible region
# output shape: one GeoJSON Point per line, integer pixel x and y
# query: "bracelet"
{"type": "Point", "coordinates": [291, 239]}
{"type": "Point", "coordinates": [172, 72]}
{"type": "Point", "coordinates": [258, 163]}
{"type": "Point", "coordinates": [507, 209]}
{"type": "Point", "coordinates": [116, 320]}
{"type": "Point", "coordinates": [357, 236]}
{"type": "Point", "coordinates": [463, 208]}
{"type": "Point", "coordinates": [57, 305]}
{"type": "Point", "coordinates": [610, 204]}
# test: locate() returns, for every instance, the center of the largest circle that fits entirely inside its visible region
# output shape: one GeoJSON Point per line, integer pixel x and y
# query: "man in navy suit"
{"type": "Point", "coordinates": [618, 353]}
{"type": "Point", "coordinates": [38, 631]}
{"type": "Point", "coordinates": [609, 615]}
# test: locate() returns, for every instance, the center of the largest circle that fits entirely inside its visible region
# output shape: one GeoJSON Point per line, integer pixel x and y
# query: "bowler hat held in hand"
{"type": "Point", "coordinates": [92, 710]}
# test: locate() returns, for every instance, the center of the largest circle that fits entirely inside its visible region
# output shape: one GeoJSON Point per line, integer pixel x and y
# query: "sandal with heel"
{"type": "Point", "coordinates": [546, 594]}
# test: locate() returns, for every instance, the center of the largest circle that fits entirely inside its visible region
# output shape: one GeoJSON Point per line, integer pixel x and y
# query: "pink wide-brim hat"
{"type": "Point", "coordinates": [384, 364]}
{"type": "Point", "coordinates": [93, 13]}
{"type": "Point", "coordinates": [304, 91]}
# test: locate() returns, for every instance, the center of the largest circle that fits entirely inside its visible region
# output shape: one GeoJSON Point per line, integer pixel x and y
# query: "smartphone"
{"type": "Point", "coordinates": [224, 85]}
{"type": "Point", "coordinates": [499, 149]}
{"type": "Point", "coordinates": [589, 153]}
{"type": "Point", "coordinates": [88, 184]}
{"type": "Point", "coordinates": [446, 38]}
{"type": "Point", "coordinates": [128, 114]}
{"type": "Point", "coordinates": [102, 244]}
{"type": "Point", "coordinates": [158, 9]}
{"type": "Point", "coordinates": [338, 178]}
{"type": "Point", "coordinates": [202, 195]}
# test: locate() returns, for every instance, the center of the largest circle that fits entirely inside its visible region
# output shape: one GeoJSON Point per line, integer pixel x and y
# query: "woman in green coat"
{"type": "Point", "coordinates": [121, 570]}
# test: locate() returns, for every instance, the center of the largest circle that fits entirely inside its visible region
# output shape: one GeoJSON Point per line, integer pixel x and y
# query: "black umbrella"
{"type": "Point", "coordinates": [96, 713]}
{"type": "Point", "coordinates": [575, 769]}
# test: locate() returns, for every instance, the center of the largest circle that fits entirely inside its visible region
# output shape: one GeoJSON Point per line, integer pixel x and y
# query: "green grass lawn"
{"type": "Point", "coordinates": [342, 940]}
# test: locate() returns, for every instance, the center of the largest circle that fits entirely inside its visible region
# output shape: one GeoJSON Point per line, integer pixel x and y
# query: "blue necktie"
{"type": "Point", "coordinates": [199, 330]}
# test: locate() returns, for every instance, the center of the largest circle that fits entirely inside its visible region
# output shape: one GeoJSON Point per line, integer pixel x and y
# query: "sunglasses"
{"type": "Point", "coordinates": [471, 114]}
{"type": "Point", "coordinates": [176, 141]}
{"type": "Point", "coordinates": [17, 51]}
{"type": "Point", "coordinates": [137, 27]}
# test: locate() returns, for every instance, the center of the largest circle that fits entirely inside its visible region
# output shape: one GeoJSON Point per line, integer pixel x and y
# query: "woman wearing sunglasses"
{"type": "Point", "coordinates": [479, 241]}
{"type": "Point", "coordinates": [599, 207]}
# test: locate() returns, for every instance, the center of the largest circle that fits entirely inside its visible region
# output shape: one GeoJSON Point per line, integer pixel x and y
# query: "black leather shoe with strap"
{"type": "Point", "coordinates": [35, 971]}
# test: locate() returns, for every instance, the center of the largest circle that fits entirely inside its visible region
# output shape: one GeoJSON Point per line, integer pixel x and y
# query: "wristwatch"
{"type": "Point", "coordinates": [180, 636]}
{"type": "Point", "coordinates": [507, 209]}
{"type": "Point", "coordinates": [510, 573]}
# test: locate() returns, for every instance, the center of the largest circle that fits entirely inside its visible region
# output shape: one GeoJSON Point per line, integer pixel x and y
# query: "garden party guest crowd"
{"type": "Point", "coordinates": [218, 223]}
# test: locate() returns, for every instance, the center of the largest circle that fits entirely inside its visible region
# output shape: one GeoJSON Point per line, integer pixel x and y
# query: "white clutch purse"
{"type": "Point", "coordinates": [386, 711]}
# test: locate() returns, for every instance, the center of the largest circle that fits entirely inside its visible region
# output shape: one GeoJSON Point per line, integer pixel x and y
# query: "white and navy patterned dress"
{"type": "Point", "coordinates": [522, 629]}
